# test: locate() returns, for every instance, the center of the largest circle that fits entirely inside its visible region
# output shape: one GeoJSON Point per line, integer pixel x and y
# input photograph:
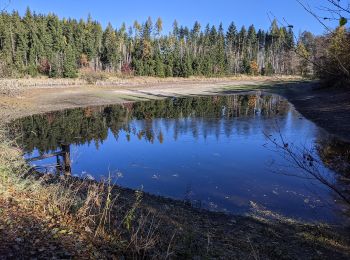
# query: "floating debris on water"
{"type": "Point", "coordinates": [119, 175]}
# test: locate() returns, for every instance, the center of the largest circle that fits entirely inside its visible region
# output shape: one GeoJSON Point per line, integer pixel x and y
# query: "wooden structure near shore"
{"type": "Point", "coordinates": [63, 161]}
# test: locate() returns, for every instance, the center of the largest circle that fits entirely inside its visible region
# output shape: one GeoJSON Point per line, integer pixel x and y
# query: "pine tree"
{"type": "Point", "coordinates": [56, 70]}
{"type": "Point", "coordinates": [159, 26]}
{"type": "Point", "coordinates": [48, 45]}
{"type": "Point", "coordinates": [231, 48]}
{"type": "Point", "coordinates": [21, 47]}
{"type": "Point", "coordinates": [7, 47]}
{"type": "Point", "coordinates": [69, 63]}
{"type": "Point", "coordinates": [110, 54]}
{"type": "Point", "coordinates": [34, 44]}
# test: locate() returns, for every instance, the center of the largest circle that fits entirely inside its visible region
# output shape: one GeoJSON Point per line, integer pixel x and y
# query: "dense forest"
{"type": "Point", "coordinates": [44, 44]}
{"type": "Point", "coordinates": [38, 44]}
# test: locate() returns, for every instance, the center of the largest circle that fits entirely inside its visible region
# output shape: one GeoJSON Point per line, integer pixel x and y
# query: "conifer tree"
{"type": "Point", "coordinates": [56, 47]}
{"type": "Point", "coordinates": [110, 55]}
{"type": "Point", "coordinates": [69, 63]}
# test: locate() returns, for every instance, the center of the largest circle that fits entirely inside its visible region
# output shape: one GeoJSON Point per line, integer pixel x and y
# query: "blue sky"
{"type": "Point", "coordinates": [186, 12]}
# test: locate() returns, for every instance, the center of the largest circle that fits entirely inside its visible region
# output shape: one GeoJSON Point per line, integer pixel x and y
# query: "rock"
{"type": "Point", "coordinates": [19, 240]}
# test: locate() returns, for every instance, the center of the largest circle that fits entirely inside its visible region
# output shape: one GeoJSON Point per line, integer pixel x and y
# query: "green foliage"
{"type": "Point", "coordinates": [159, 70]}
{"type": "Point", "coordinates": [269, 69]}
{"type": "Point", "coordinates": [45, 44]}
{"type": "Point", "coordinates": [303, 66]}
{"type": "Point", "coordinates": [56, 70]}
{"type": "Point", "coordinates": [333, 65]}
{"type": "Point", "coordinates": [110, 54]}
{"type": "Point", "coordinates": [131, 214]}
{"type": "Point", "coordinates": [343, 21]}
{"type": "Point", "coordinates": [70, 64]}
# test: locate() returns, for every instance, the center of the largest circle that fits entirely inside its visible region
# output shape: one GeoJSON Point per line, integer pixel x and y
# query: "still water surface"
{"type": "Point", "coordinates": [212, 151]}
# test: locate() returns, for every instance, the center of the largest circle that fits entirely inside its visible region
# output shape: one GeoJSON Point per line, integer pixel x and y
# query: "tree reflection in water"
{"type": "Point", "coordinates": [84, 125]}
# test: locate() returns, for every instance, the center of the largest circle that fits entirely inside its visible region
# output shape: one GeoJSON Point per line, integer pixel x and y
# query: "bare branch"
{"type": "Point", "coordinates": [337, 4]}
{"type": "Point", "coordinates": [309, 10]}
{"type": "Point", "coordinates": [295, 49]}
{"type": "Point", "coordinates": [307, 163]}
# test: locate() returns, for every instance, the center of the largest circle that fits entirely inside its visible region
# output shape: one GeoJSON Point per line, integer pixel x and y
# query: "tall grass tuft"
{"type": "Point", "coordinates": [84, 206]}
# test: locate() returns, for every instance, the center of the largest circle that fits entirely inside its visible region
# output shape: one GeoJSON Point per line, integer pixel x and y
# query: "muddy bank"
{"type": "Point", "coordinates": [328, 108]}
{"type": "Point", "coordinates": [261, 235]}
{"type": "Point", "coordinates": [180, 231]}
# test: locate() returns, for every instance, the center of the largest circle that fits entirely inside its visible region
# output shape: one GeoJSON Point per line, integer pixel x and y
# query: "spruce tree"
{"type": "Point", "coordinates": [69, 63]}
{"type": "Point", "coordinates": [45, 44]}
{"type": "Point", "coordinates": [110, 54]}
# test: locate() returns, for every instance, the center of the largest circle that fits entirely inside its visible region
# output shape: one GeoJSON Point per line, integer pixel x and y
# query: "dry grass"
{"type": "Point", "coordinates": [10, 87]}
{"type": "Point", "coordinates": [84, 207]}
{"type": "Point", "coordinates": [108, 79]}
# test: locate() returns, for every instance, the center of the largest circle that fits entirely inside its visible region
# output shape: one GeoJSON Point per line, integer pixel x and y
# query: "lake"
{"type": "Point", "coordinates": [214, 152]}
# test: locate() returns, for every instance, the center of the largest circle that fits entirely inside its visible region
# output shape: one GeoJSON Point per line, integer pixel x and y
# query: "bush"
{"type": "Point", "coordinates": [44, 66]}
{"type": "Point", "coordinates": [333, 62]}
{"type": "Point", "coordinates": [33, 70]}
{"type": "Point", "coordinates": [91, 77]}
{"type": "Point", "coordinates": [127, 69]}
{"type": "Point", "coordinates": [5, 70]}
{"type": "Point", "coordinates": [254, 68]}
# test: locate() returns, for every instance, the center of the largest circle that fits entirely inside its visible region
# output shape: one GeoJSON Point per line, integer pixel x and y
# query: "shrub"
{"type": "Point", "coordinates": [333, 63]}
{"type": "Point", "coordinates": [44, 66]}
{"type": "Point", "coordinates": [91, 77]}
{"type": "Point", "coordinates": [84, 61]}
{"type": "Point", "coordinates": [254, 69]}
{"type": "Point", "coordinates": [127, 69]}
